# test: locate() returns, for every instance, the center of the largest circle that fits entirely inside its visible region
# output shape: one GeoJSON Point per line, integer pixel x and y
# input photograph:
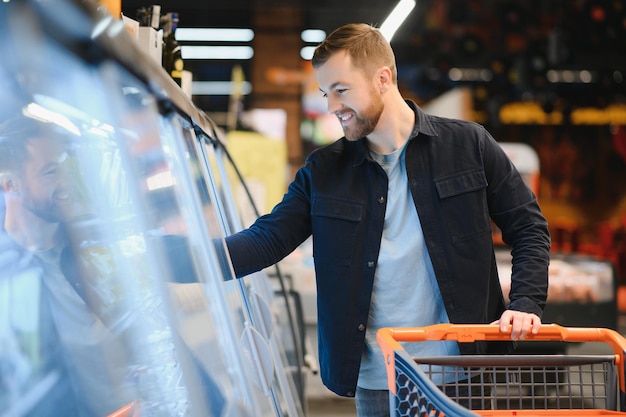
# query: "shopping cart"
{"type": "Point", "coordinates": [504, 385]}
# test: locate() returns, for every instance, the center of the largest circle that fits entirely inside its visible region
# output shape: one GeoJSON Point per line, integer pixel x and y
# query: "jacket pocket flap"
{"type": "Point", "coordinates": [460, 184]}
{"type": "Point", "coordinates": [339, 209]}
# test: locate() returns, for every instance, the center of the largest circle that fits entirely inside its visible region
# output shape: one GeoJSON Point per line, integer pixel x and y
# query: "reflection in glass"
{"type": "Point", "coordinates": [114, 287]}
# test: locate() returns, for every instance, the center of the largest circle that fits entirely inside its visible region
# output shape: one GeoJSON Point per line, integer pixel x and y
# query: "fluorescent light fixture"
{"type": "Point", "coordinates": [160, 180]}
{"type": "Point", "coordinates": [37, 112]}
{"type": "Point", "coordinates": [470, 74]}
{"type": "Point", "coordinates": [218, 88]}
{"type": "Point", "coordinates": [214, 35]}
{"type": "Point", "coordinates": [216, 52]}
{"type": "Point", "coordinates": [307, 52]}
{"type": "Point", "coordinates": [313, 35]}
{"type": "Point", "coordinates": [396, 17]}
{"type": "Point", "coordinates": [571, 76]}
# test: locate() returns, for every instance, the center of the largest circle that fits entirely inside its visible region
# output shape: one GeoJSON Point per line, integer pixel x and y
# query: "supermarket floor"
{"type": "Point", "coordinates": [323, 403]}
{"type": "Point", "coordinates": [331, 407]}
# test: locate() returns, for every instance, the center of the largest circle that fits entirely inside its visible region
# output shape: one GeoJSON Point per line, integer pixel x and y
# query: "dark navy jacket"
{"type": "Point", "coordinates": [460, 179]}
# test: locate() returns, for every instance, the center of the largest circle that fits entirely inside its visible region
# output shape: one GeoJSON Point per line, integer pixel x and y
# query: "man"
{"type": "Point", "coordinates": [399, 210]}
{"type": "Point", "coordinates": [54, 331]}
{"type": "Point", "coordinates": [66, 346]}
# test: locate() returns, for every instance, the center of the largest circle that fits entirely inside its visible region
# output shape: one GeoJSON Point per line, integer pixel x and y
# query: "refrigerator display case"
{"type": "Point", "coordinates": [117, 296]}
{"type": "Point", "coordinates": [581, 290]}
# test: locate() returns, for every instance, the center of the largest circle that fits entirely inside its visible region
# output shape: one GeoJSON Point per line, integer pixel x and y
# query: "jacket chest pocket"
{"type": "Point", "coordinates": [335, 225]}
{"type": "Point", "coordinates": [464, 204]}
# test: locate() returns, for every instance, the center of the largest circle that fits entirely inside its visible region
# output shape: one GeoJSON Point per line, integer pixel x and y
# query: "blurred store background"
{"type": "Point", "coordinates": [547, 74]}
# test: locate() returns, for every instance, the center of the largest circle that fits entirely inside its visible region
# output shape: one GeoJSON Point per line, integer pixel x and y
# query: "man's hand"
{"type": "Point", "coordinates": [518, 323]}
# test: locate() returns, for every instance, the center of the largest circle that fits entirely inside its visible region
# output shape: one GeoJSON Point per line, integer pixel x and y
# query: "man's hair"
{"type": "Point", "coordinates": [14, 135]}
{"type": "Point", "coordinates": [366, 45]}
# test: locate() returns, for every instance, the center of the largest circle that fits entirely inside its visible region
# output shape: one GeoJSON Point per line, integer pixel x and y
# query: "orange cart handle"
{"type": "Point", "coordinates": [388, 338]}
{"type": "Point", "coordinates": [474, 332]}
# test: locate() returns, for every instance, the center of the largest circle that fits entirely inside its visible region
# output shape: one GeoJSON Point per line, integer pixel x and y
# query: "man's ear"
{"type": "Point", "coordinates": [8, 183]}
{"type": "Point", "coordinates": [383, 78]}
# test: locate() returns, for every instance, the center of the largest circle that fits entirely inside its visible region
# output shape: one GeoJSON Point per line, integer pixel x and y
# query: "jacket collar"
{"type": "Point", "coordinates": [423, 122]}
{"type": "Point", "coordinates": [422, 125]}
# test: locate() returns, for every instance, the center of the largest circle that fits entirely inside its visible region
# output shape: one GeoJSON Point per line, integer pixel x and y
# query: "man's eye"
{"type": "Point", "coordinates": [341, 91]}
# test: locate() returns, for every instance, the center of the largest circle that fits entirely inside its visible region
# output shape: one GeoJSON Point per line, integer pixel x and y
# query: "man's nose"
{"type": "Point", "coordinates": [66, 173]}
{"type": "Point", "coordinates": [333, 104]}
{"type": "Point", "coordinates": [65, 183]}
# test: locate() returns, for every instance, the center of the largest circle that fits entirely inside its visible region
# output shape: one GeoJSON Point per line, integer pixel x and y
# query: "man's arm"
{"type": "Point", "coordinates": [274, 235]}
{"type": "Point", "coordinates": [514, 208]}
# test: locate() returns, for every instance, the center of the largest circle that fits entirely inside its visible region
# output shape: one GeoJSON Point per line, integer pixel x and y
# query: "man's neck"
{"type": "Point", "coordinates": [30, 231]}
{"type": "Point", "coordinates": [394, 127]}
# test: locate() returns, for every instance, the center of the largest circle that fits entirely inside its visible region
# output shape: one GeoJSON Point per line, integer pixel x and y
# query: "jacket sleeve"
{"type": "Point", "coordinates": [515, 210]}
{"type": "Point", "coordinates": [274, 235]}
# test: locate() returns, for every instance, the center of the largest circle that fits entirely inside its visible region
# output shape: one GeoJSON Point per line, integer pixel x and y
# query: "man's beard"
{"type": "Point", "coordinates": [363, 125]}
{"type": "Point", "coordinates": [47, 209]}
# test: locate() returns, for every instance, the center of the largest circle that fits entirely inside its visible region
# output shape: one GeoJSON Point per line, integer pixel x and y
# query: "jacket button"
{"type": "Point", "coordinates": [370, 264]}
{"type": "Point", "coordinates": [381, 199]}
{"type": "Point", "coordinates": [361, 327]}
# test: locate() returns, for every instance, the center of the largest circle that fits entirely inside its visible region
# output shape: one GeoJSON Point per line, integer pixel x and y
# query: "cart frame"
{"type": "Point", "coordinates": [412, 392]}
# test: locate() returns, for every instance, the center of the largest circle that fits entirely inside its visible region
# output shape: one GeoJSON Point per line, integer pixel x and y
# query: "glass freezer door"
{"type": "Point", "coordinates": [114, 290]}
{"type": "Point", "coordinates": [257, 291]}
{"type": "Point", "coordinates": [205, 210]}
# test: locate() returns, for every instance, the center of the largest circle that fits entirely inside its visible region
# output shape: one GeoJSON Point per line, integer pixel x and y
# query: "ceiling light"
{"type": "Point", "coordinates": [571, 76]}
{"type": "Point", "coordinates": [470, 74]}
{"type": "Point", "coordinates": [211, 34]}
{"type": "Point", "coordinates": [396, 17]}
{"type": "Point", "coordinates": [160, 181]}
{"type": "Point", "coordinates": [216, 52]}
{"type": "Point", "coordinates": [37, 112]}
{"type": "Point", "coordinates": [313, 35]}
{"type": "Point", "coordinates": [307, 52]}
{"type": "Point", "coordinates": [218, 88]}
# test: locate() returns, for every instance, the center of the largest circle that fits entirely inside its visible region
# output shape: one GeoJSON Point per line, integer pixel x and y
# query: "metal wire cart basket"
{"type": "Point", "coordinates": [504, 385]}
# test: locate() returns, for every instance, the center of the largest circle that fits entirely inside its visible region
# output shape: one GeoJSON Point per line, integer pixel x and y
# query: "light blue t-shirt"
{"type": "Point", "coordinates": [405, 291]}
{"type": "Point", "coordinates": [97, 363]}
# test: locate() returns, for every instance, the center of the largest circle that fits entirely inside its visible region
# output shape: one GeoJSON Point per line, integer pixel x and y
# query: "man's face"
{"type": "Point", "coordinates": [351, 95]}
{"type": "Point", "coordinates": [45, 186]}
